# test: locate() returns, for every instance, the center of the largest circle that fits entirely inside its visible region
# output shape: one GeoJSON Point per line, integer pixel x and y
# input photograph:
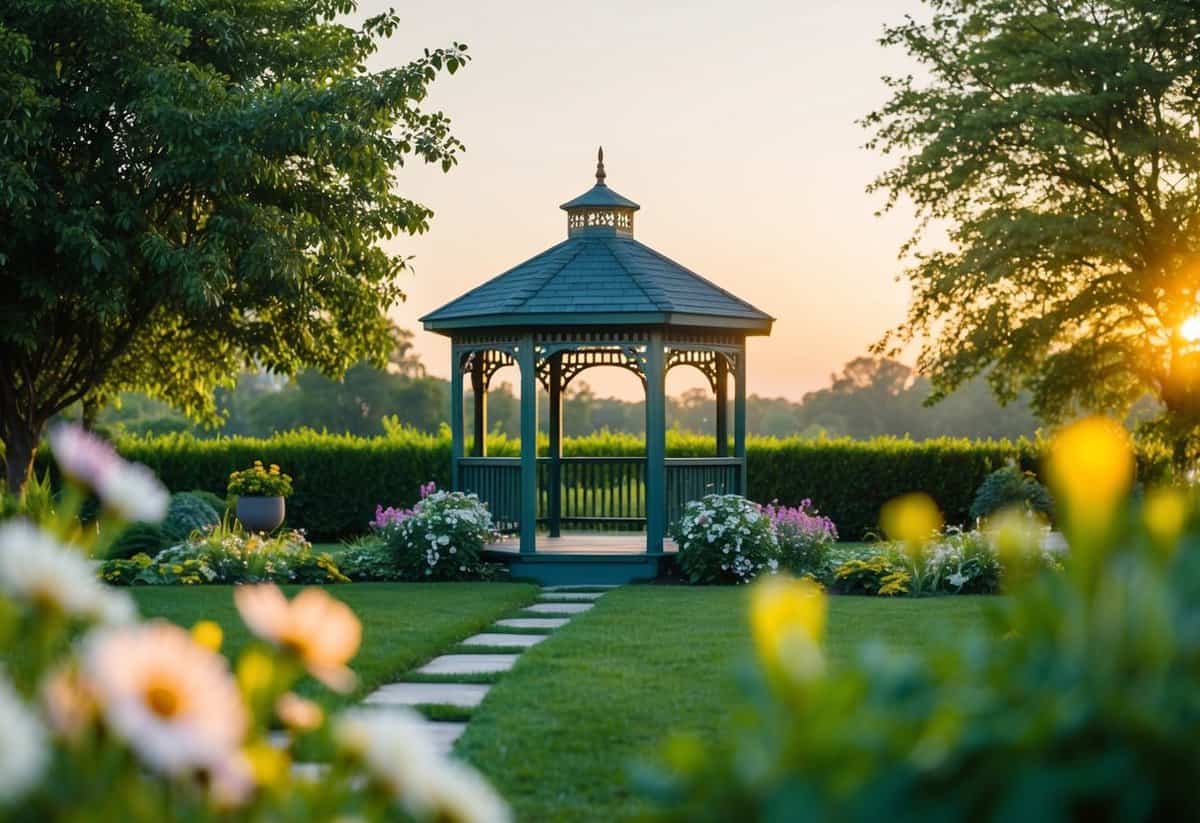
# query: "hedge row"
{"type": "Point", "coordinates": [339, 479]}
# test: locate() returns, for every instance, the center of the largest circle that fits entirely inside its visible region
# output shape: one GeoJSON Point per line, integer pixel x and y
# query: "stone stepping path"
{"type": "Point", "coordinates": [516, 641]}
{"type": "Point", "coordinates": [559, 605]}
{"type": "Point", "coordinates": [533, 623]}
{"type": "Point", "coordinates": [605, 586]}
{"type": "Point", "coordinates": [558, 608]}
{"type": "Point", "coordinates": [469, 664]}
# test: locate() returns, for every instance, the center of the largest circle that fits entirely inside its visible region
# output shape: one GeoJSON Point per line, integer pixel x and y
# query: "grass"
{"type": "Point", "coordinates": [557, 734]}
{"type": "Point", "coordinates": [404, 624]}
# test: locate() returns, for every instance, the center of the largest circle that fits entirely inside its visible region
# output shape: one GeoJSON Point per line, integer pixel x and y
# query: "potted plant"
{"type": "Point", "coordinates": [260, 492]}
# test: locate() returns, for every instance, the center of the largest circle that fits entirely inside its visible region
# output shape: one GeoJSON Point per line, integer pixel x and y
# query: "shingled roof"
{"type": "Point", "coordinates": [599, 275]}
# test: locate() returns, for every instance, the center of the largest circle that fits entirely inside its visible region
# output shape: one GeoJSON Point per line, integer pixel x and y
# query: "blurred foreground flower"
{"type": "Point", "coordinates": [23, 746]}
{"type": "Point", "coordinates": [38, 570]}
{"type": "Point", "coordinates": [787, 618]}
{"type": "Point", "coordinates": [1090, 469]}
{"type": "Point", "coordinates": [911, 518]}
{"type": "Point", "coordinates": [321, 631]}
{"type": "Point", "coordinates": [396, 749]}
{"type": "Point", "coordinates": [1165, 513]}
{"type": "Point", "coordinates": [298, 713]}
{"type": "Point", "coordinates": [130, 490]}
{"type": "Point", "coordinates": [172, 700]}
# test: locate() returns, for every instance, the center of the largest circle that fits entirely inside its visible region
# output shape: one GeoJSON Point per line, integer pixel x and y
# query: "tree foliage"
{"type": "Point", "coordinates": [1059, 143]}
{"type": "Point", "coordinates": [188, 189]}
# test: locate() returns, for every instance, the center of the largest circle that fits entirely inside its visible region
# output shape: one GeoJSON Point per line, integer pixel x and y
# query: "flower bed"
{"type": "Point", "coordinates": [725, 538]}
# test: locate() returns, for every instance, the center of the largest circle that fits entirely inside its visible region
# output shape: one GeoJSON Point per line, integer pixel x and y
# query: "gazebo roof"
{"type": "Point", "coordinates": [598, 276]}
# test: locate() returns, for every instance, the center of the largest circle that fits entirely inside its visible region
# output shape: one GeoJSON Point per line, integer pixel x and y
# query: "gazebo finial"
{"type": "Point", "coordinates": [600, 175]}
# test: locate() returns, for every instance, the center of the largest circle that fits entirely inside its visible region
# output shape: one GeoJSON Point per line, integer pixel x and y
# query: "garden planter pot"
{"type": "Point", "coordinates": [260, 514]}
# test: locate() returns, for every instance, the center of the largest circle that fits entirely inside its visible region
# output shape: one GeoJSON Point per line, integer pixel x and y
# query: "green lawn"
{"type": "Point", "coordinates": [404, 624]}
{"type": "Point", "coordinates": [558, 733]}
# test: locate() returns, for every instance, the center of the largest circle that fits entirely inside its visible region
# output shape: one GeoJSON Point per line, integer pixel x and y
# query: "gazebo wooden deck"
{"type": "Point", "coordinates": [599, 298]}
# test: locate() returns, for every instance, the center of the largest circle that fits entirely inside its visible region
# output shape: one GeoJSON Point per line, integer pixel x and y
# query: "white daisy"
{"type": "Point", "coordinates": [456, 793]}
{"type": "Point", "coordinates": [392, 743]}
{"type": "Point", "coordinates": [81, 455]}
{"type": "Point", "coordinates": [23, 747]}
{"type": "Point", "coordinates": [172, 700]}
{"type": "Point", "coordinates": [37, 569]}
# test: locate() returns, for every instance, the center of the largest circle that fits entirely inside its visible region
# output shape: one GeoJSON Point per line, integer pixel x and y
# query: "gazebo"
{"type": "Point", "coordinates": [598, 298]}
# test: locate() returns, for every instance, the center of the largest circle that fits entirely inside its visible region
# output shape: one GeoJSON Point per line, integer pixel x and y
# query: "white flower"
{"type": "Point", "coordinates": [172, 700]}
{"type": "Point", "coordinates": [23, 747]}
{"type": "Point", "coordinates": [957, 579]}
{"type": "Point", "coordinates": [393, 744]}
{"type": "Point", "coordinates": [444, 540]}
{"type": "Point", "coordinates": [36, 568]}
{"type": "Point", "coordinates": [454, 791]}
{"type": "Point", "coordinates": [81, 455]}
{"type": "Point", "coordinates": [132, 491]}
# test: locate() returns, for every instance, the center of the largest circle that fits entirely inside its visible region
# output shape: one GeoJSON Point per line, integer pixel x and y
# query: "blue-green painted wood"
{"type": "Point", "coordinates": [580, 569]}
{"type": "Point", "coordinates": [691, 478]}
{"type": "Point", "coordinates": [527, 361]}
{"type": "Point", "coordinates": [497, 481]}
{"type": "Point", "coordinates": [554, 492]}
{"type": "Point", "coordinates": [739, 419]}
{"type": "Point", "coordinates": [656, 442]}
{"type": "Point", "coordinates": [722, 393]}
{"type": "Point", "coordinates": [456, 418]}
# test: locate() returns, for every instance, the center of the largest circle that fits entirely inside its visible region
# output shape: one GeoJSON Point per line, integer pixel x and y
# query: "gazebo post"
{"type": "Point", "coordinates": [656, 444]}
{"type": "Point", "coordinates": [479, 389]}
{"type": "Point", "coordinates": [739, 417]}
{"type": "Point", "coordinates": [527, 361]}
{"type": "Point", "coordinates": [556, 430]}
{"type": "Point", "coordinates": [722, 393]}
{"type": "Point", "coordinates": [456, 416]}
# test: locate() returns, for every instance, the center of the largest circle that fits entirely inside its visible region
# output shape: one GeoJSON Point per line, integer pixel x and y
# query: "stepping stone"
{"type": "Point", "coordinates": [465, 695]}
{"type": "Point", "coordinates": [523, 641]}
{"type": "Point", "coordinates": [534, 623]}
{"type": "Point", "coordinates": [579, 586]}
{"type": "Point", "coordinates": [558, 608]}
{"type": "Point", "coordinates": [469, 664]}
{"type": "Point", "coordinates": [444, 734]}
{"type": "Point", "coordinates": [570, 595]}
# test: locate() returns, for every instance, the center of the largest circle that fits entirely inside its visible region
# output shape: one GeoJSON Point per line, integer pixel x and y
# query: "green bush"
{"type": "Point", "coordinates": [187, 513]}
{"type": "Point", "coordinates": [139, 538]}
{"type": "Point", "coordinates": [725, 538]}
{"type": "Point", "coordinates": [368, 558]}
{"type": "Point", "coordinates": [1010, 487]}
{"type": "Point", "coordinates": [219, 504]}
{"type": "Point", "coordinates": [442, 539]}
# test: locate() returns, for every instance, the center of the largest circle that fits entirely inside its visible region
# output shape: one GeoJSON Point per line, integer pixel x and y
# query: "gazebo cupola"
{"type": "Point", "coordinates": [597, 298]}
{"type": "Point", "coordinates": [600, 210]}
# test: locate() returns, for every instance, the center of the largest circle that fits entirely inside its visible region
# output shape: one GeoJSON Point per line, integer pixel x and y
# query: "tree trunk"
{"type": "Point", "coordinates": [90, 411]}
{"type": "Point", "coordinates": [20, 446]}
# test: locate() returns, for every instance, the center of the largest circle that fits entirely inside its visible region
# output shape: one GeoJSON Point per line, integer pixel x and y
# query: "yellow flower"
{"type": "Point", "coordinates": [1090, 469]}
{"type": "Point", "coordinates": [274, 469]}
{"type": "Point", "coordinates": [321, 631]}
{"type": "Point", "coordinates": [912, 518]}
{"type": "Point", "coordinates": [268, 764]}
{"type": "Point", "coordinates": [787, 618]}
{"type": "Point", "coordinates": [208, 634]}
{"type": "Point", "coordinates": [255, 672]}
{"type": "Point", "coordinates": [1165, 513]}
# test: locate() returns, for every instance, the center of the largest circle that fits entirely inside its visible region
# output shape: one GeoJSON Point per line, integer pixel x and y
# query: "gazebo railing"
{"type": "Point", "coordinates": [595, 492]}
{"type": "Point", "coordinates": [497, 481]}
{"type": "Point", "coordinates": [690, 478]}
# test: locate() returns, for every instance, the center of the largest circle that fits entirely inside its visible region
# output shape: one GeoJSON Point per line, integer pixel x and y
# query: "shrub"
{"type": "Point", "coordinates": [805, 538]}
{"type": "Point", "coordinates": [443, 538]}
{"type": "Point", "coordinates": [139, 538]}
{"type": "Point", "coordinates": [187, 513]}
{"type": "Point", "coordinates": [725, 538]}
{"type": "Point", "coordinates": [229, 555]}
{"type": "Point", "coordinates": [219, 504]}
{"type": "Point", "coordinates": [1010, 487]}
{"type": "Point", "coordinates": [368, 558]}
{"type": "Point", "coordinates": [259, 481]}
{"type": "Point", "coordinates": [872, 574]}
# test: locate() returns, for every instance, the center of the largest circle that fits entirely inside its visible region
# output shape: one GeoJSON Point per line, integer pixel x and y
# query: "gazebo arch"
{"type": "Point", "coordinates": [599, 298]}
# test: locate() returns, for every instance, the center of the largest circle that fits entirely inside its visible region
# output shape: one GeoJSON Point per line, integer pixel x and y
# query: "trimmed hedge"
{"type": "Point", "coordinates": [339, 479]}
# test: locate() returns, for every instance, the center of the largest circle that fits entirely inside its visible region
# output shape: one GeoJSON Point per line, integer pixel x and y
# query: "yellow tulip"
{"type": "Point", "coordinates": [1165, 513]}
{"type": "Point", "coordinates": [208, 634]}
{"type": "Point", "coordinates": [787, 618]}
{"type": "Point", "coordinates": [912, 518]}
{"type": "Point", "coordinates": [1090, 469]}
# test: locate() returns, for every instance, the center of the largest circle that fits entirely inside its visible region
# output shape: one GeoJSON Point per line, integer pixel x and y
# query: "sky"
{"type": "Point", "coordinates": [732, 124]}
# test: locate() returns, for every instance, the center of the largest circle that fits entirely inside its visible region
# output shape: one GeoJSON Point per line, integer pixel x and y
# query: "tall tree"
{"type": "Point", "coordinates": [1059, 142]}
{"type": "Point", "coordinates": [193, 187]}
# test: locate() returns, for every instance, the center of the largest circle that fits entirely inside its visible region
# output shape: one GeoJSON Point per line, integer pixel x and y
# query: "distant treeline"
{"type": "Point", "coordinates": [870, 397]}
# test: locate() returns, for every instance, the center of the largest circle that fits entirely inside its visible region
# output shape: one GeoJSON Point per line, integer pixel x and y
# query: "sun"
{"type": "Point", "coordinates": [1189, 330]}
